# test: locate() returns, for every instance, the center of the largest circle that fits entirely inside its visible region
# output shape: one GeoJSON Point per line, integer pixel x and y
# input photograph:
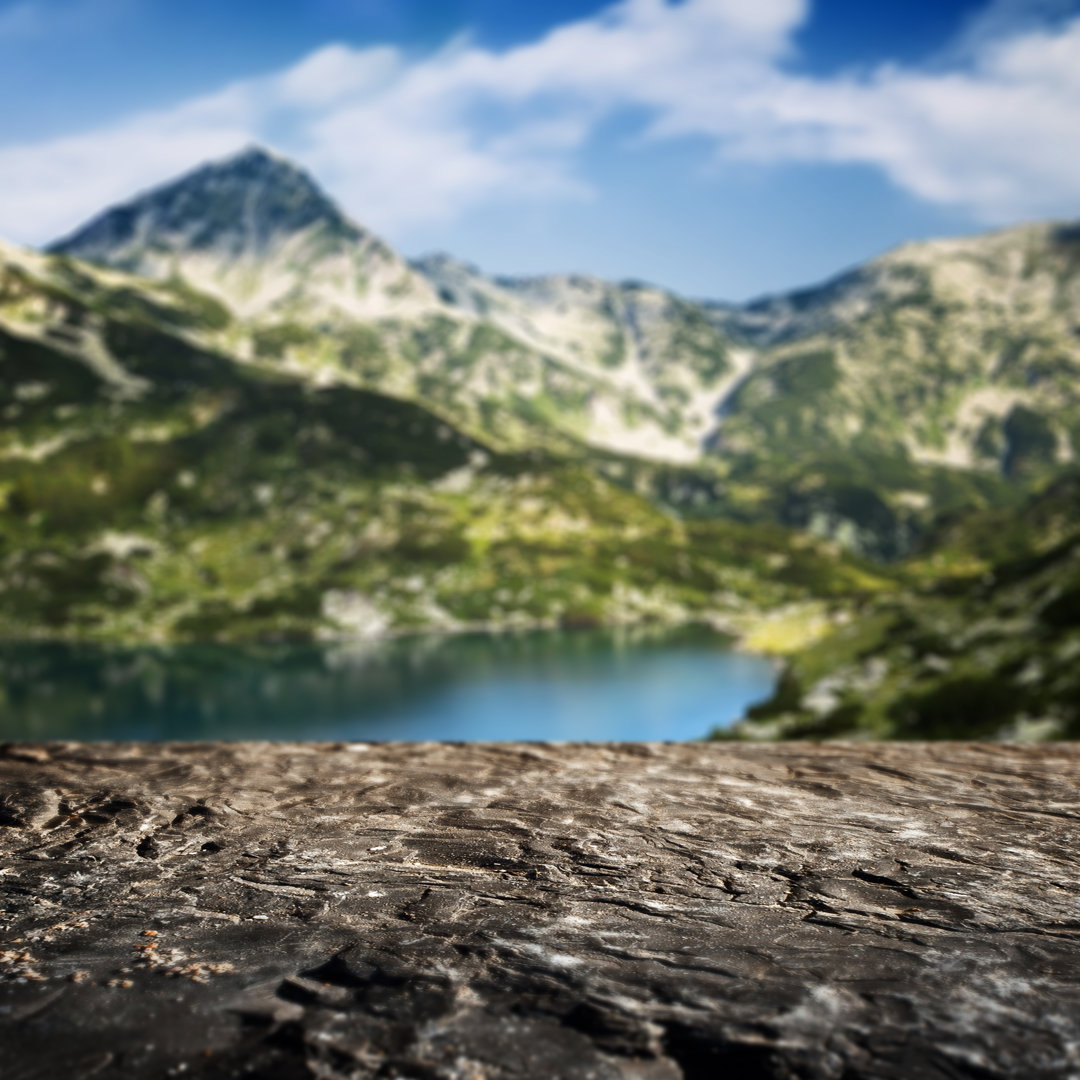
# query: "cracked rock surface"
{"type": "Point", "coordinates": [483, 911]}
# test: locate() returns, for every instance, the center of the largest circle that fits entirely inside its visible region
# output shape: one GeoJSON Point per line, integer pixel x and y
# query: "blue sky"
{"type": "Point", "coordinates": [724, 148]}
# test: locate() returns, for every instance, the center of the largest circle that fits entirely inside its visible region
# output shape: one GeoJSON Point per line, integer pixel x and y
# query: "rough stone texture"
{"type": "Point", "coordinates": [459, 912]}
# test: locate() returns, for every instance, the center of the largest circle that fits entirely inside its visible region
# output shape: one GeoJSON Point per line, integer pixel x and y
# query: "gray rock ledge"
{"type": "Point", "coordinates": [471, 912]}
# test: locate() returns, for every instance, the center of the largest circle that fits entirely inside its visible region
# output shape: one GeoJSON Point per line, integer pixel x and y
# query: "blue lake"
{"type": "Point", "coordinates": [638, 684]}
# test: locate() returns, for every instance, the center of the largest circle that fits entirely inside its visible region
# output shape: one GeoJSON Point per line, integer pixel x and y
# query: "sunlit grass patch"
{"type": "Point", "coordinates": [788, 630]}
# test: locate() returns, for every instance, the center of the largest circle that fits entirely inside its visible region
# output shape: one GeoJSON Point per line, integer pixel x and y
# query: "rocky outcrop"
{"type": "Point", "coordinates": [539, 911]}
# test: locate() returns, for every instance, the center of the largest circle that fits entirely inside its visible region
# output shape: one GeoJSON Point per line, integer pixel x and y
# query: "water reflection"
{"type": "Point", "coordinates": [596, 684]}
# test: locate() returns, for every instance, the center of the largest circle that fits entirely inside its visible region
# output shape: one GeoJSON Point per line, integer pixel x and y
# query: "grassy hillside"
{"type": "Point", "coordinates": [153, 489]}
{"type": "Point", "coordinates": [943, 376]}
{"type": "Point", "coordinates": [981, 641]}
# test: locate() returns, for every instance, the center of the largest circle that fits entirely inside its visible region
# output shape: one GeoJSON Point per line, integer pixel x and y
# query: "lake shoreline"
{"type": "Point", "coordinates": [739, 632]}
{"type": "Point", "coordinates": [638, 681]}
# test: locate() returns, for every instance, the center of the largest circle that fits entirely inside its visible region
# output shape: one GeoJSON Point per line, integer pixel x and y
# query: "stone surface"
{"type": "Point", "coordinates": [459, 912]}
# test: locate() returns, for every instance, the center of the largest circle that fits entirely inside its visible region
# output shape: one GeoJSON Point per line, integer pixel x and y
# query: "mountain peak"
{"type": "Point", "coordinates": [242, 205]}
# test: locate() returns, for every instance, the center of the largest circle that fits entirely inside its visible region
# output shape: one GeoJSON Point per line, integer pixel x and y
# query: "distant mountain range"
{"type": "Point", "coordinates": [231, 411]}
{"type": "Point", "coordinates": [908, 385]}
{"type": "Point", "coordinates": [564, 359]}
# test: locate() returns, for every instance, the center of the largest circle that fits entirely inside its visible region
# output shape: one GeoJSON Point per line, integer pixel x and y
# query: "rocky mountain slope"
{"type": "Point", "coordinates": [152, 488]}
{"type": "Point", "coordinates": [563, 361]}
{"type": "Point", "coordinates": [939, 347]}
{"type": "Point", "coordinates": [942, 375]}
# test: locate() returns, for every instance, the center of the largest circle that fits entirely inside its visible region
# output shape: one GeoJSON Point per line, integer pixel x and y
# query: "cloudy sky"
{"type": "Point", "coordinates": [724, 148]}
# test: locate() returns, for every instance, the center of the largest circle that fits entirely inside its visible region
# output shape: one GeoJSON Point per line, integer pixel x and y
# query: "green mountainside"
{"type": "Point", "coordinates": [941, 376]}
{"type": "Point", "coordinates": [231, 412]}
{"type": "Point", "coordinates": [983, 641]}
{"type": "Point", "coordinates": [152, 488]}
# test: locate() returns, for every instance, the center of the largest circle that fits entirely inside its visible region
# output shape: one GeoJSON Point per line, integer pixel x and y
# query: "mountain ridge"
{"type": "Point", "coordinates": [260, 158]}
{"type": "Point", "coordinates": [861, 408]}
{"type": "Point", "coordinates": [244, 228]}
{"type": "Point", "coordinates": [296, 202]}
{"type": "Point", "coordinates": [472, 359]}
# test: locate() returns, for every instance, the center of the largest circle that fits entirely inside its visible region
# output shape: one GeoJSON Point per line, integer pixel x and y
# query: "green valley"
{"type": "Point", "coordinates": [156, 490]}
{"type": "Point", "coordinates": [231, 413]}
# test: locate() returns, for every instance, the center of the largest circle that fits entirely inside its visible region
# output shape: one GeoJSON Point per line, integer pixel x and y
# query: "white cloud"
{"type": "Point", "coordinates": [336, 74]}
{"type": "Point", "coordinates": [47, 188]}
{"type": "Point", "coordinates": [403, 140]}
{"type": "Point", "coordinates": [1000, 138]}
{"type": "Point", "coordinates": [999, 20]}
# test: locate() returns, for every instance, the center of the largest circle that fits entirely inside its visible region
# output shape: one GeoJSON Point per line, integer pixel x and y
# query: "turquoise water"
{"type": "Point", "coordinates": [561, 685]}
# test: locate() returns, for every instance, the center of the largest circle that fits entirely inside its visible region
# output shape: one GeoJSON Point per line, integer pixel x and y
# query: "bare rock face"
{"type": "Point", "coordinates": [473, 912]}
